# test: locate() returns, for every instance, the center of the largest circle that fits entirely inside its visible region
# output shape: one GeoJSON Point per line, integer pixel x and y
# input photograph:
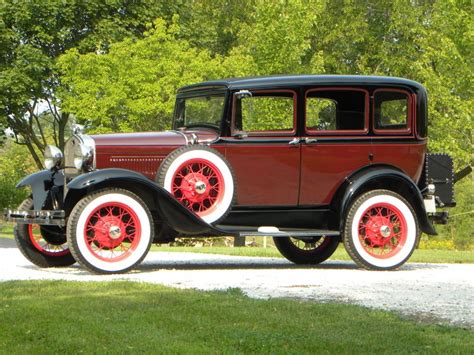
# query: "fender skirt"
{"type": "Point", "coordinates": [171, 212]}
{"type": "Point", "coordinates": [369, 176]}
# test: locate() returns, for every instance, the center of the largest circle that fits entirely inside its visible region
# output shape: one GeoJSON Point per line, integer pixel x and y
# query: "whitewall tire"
{"type": "Point", "coordinates": [381, 230]}
{"type": "Point", "coordinates": [201, 179]}
{"type": "Point", "coordinates": [110, 231]}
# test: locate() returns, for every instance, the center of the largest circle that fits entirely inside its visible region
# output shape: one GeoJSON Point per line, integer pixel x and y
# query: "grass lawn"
{"type": "Point", "coordinates": [121, 317]}
{"type": "Point", "coordinates": [6, 230]}
{"type": "Point", "coordinates": [419, 256]}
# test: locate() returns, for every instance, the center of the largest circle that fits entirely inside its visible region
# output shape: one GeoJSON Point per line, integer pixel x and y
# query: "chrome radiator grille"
{"type": "Point", "coordinates": [69, 169]}
{"type": "Point", "coordinates": [71, 144]}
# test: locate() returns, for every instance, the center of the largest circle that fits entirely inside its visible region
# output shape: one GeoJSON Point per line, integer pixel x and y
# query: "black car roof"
{"type": "Point", "coordinates": [301, 80]}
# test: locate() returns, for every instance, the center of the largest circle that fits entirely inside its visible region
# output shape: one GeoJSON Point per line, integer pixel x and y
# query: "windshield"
{"type": "Point", "coordinates": [197, 111]}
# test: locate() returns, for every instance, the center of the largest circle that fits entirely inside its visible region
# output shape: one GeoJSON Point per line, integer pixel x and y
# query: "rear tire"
{"type": "Point", "coordinates": [381, 230]}
{"type": "Point", "coordinates": [41, 246]}
{"type": "Point", "coordinates": [307, 251]}
{"type": "Point", "coordinates": [110, 231]}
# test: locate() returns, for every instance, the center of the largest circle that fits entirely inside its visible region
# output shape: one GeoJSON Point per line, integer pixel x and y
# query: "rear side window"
{"type": "Point", "coordinates": [391, 111]}
{"type": "Point", "coordinates": [332, 111]}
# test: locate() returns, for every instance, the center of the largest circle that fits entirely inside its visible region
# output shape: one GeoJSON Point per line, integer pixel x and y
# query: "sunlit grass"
{"type": "Point", "coordinates": [120, 317]}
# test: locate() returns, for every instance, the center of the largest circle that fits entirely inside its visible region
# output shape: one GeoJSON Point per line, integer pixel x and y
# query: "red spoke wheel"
{"type": "Point", "coordinates": [110, 231]}
{"type": "Point", "coordinates": [381, 230]}
{"type": "Point", "coordinates": [200, 179]}
{"type": "Point", "coordinates": [44, 246]}
{"type": "Point", "coordinates": [313, 250]}
{"type": "Point", "coordinates": [198, 185]}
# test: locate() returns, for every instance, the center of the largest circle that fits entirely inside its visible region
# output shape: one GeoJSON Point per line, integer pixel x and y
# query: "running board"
{"type": "Point", "coordinates": [269, 231]}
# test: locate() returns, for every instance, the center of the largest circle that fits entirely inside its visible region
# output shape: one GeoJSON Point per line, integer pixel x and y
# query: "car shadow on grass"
{"type": "Point", "coordinates": [328, 265]}
{"type": "Point", "coordinates": [187, 265]}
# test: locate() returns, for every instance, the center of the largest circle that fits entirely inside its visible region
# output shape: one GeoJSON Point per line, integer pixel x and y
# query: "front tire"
{"type": "Point", "coordinates": [381, 230]}
{"type": "Point", "coordinates": [44, 246]}
{"type": "Point", "coordinates": [110, 231]}
{"type": "Point", "coordinates": [307, 251]}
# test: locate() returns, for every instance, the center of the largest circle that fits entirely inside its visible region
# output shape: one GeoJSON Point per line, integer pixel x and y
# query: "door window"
{"type": "Point", "coordinates": [332, 111]}
{"type": "Point", "coordinates": [265, 113]}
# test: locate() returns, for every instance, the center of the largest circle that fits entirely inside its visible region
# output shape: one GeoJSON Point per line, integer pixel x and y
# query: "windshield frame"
{"type": "Point", "coordinates": [178, 124]}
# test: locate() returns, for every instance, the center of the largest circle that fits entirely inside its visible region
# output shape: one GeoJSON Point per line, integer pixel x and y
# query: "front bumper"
{"type": "Point", "coordinates": [43, 217]}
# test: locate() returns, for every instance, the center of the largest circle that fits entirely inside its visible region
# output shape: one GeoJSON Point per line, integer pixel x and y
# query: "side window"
{"type": "Point", "coordinates": [336, 110]}
{"type": "Point", "coordinates": [321, 113]}
{"type": "Point", "coordinates": [391, 110]}
{"type": "Point", "coordinates": [266, 112]}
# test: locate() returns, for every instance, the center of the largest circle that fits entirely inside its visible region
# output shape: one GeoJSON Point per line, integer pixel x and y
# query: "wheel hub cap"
{"type": "Point", "coordinates": [108, 231]}
{"type": "Point", "coordinates": [115, 232]}
{"type": "Point", "coordinates": [200, 187]}
{"type": "Point", "coordinates": [385, 231]}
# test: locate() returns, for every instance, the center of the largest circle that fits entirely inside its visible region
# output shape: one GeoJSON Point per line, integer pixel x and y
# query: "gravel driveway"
{"type": "Point", "coordinates": [436, 292]}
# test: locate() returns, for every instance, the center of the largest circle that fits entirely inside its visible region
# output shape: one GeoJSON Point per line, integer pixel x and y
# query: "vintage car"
{"type": "Point", "coordinates": [309, 160]}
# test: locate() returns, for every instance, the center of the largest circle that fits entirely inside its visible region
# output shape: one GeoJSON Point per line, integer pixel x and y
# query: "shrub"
{"type": "Point", "coordinates": [15, 163]}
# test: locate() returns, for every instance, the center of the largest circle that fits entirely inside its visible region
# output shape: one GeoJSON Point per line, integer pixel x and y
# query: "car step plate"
{"type": "Point", "coordinates": [269, 231]}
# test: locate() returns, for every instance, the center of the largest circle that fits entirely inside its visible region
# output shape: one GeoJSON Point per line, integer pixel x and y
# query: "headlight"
{"type": "Point", "coordinates": [83, 157]}
{"type": "Point", "coordinates": [53, 157]}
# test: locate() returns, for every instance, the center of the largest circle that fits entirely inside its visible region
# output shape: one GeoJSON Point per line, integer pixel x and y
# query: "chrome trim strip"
{"type": "Point", "coordinates": [182, 134]}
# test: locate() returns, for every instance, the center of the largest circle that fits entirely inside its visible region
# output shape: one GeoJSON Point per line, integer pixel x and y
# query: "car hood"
{"type": "Point", "coordinates": [166, 138]}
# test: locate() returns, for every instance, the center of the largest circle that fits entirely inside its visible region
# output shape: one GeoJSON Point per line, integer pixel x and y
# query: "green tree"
{"type": "Point", "coordinates": [32, 36]}
{"type": "Point", "coordinates": [15, 163]}
{"type": "Point", "coordinates": [430, 42]}
{"type": "Point", "coordinates": [133, 86]}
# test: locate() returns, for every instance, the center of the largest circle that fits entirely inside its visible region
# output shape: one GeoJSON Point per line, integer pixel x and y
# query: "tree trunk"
{"type": "Point", "coordinates": [35, 156]}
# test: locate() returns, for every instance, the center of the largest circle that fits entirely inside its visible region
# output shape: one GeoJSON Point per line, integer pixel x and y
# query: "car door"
{"type": "Point", "coordinates": [336, 141]}
{"type": "Point", "coordinates": [261, 148]}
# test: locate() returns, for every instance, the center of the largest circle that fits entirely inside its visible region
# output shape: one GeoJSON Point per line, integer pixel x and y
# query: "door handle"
{"type": "Point", "coordinates": [310, 140]}
{"type": "Point", "coordinates": [295, 141]}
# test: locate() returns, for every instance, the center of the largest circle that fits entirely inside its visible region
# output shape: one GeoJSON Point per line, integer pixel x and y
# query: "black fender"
{"type": "Point", "coordinates": [41, 183]}
{"type": "Point", "coordinates": [170, 211]}
{"type": "Point", "coordinates": [384, 177]}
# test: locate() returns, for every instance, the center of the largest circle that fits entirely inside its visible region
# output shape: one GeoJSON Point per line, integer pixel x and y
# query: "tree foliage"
{"type": "Point", "coordinates": [15, 163]}
{"type": "Point", "coordinates": [116, 65]}
{"type": "Point", "coordinates": [33, 34]}
{"type": "Point", "coordinates": [133, 86]}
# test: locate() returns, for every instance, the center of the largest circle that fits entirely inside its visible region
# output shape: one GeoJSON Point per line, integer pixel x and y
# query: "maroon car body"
{"type": "Point", "coordinates": [300, 154]}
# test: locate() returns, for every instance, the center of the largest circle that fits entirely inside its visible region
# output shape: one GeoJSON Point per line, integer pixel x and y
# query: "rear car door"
{"type": "Point", "coordinates": [336, 141]}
